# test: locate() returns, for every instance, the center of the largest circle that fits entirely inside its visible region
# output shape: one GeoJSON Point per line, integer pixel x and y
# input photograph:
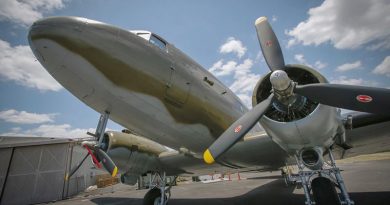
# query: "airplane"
{"type": "Point", "coordinates": [165, 99]}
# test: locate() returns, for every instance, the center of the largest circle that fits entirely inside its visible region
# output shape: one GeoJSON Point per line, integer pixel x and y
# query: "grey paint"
{"type": "Point", "coordinates": [269, 44]}
{"type": "Point", "coordinates": [84, 177]}
{"type": "Point", "coordinates": [5, 157]}
{"type": "Point", "coordinates": [37, 170]}
{"type": "Point", "coordinates": [142, 112]}
{"type": "Point", "coordinates": [238, 129]}
{"type": "Point", "coordinates": [36, 174]}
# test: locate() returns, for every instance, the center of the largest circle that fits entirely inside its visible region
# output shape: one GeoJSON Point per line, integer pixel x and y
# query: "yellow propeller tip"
{"type": "Point", "coordinates": [207, 157]}
{"type": "Point", "coordinates": [114, 172]}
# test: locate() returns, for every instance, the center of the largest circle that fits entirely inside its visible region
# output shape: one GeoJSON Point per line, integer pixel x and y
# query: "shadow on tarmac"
{"type": "Point", "coordinates": [273, 193]}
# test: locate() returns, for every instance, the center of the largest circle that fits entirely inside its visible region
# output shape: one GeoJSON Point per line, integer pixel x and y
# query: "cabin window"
{"type": "Point", "coordinates": [157, 42]}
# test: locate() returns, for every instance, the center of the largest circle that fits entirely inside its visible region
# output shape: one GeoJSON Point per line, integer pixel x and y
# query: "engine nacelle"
{"type": "Point", "coordinates": [305, 123]}
{"type": "Point", "coordinates": [134, 155]}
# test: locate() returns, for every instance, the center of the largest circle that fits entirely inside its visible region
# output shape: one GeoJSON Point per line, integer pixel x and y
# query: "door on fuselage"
{"type": "Point", "coordinates": [177, 87]}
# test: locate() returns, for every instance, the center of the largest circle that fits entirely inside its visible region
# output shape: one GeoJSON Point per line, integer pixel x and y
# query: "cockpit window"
{"type": "Point", "coordinates": [145, 36]}
{"type": "Point", "coordinates": [151, 38]}
{"type": "Point", "coordinates": [157, 42]}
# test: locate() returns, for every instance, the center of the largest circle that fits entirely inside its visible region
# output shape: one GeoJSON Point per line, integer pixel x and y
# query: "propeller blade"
{"type": "Point", "coordinates": [94, 159]}
{"type": "Point", "coordinates": [236, 131]}
{"type": "Point", "coordinates": [107, 162]}
{"type": "Point", "coordinates": [269, 44]}
{"type": "Point", "coordinates": [359, 98]}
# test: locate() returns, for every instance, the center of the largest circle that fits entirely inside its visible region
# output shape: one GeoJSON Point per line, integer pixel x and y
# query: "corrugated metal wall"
{"type": "Point", "coordinates": [36, 173]}
{"type": "Point", "coordinates": [5, 157]}
{"type": "Point", "coordinates": [84, 177]}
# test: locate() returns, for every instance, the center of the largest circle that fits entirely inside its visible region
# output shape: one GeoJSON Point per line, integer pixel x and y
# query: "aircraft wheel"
{"type": "Point", "coordinates": [152, 197]}
{"type": "Point", "coordinates": [324, 192]}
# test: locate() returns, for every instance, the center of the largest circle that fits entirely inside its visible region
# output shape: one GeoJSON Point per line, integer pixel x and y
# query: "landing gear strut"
{"type": "Point", "coordinates": [323, 183]}
{"type": "Point", "coordinates": [159, 193]}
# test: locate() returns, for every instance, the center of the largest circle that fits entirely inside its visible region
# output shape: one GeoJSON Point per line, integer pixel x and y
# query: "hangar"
{"type": "Point", "coordinates": [33, 169]}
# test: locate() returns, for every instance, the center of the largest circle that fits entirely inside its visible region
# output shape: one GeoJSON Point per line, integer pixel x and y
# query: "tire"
{"type": "Point", "coordinates": [151, 196]}
{"type": "Point", "coordinates": [324, 192]}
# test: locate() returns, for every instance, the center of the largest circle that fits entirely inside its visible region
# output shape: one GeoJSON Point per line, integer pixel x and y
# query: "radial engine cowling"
{"type": "Point", "coordinates": [305, 123]}
{"type": "Point", "coordinates": [303, 107]}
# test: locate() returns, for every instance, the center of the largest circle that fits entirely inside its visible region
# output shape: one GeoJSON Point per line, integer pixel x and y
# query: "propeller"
{"type": "Point", "coordinates": [98, 156]}
{"type": "Point", "coordinates": [107, 162]}
{"type": "Point", "coordinates": [359, 98]}
{"type": "Point", "coordinates": [236, 131]}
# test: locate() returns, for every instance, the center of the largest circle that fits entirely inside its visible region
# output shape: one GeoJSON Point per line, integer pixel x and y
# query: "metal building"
{"type": "Point", "coordinates": [32, 170]}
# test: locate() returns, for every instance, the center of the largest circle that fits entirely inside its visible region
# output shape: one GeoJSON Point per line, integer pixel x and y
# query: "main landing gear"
{"type": "Point", "coordinates": [320, 181]}
{"type": "Point", "coordinates": [159, 193]}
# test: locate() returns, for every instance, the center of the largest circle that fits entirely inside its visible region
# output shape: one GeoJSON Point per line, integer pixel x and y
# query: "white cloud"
{"type": "Point", "coordinates": [243, 69]}
{"type": "Point", "coordinates": [354, 81]}
{"type": "Point", "coordinates": [300, 58]}
{"type": "Point", "coordinates": [233, 46]}
{"type": "Point", "coordinates": [259, 57]}
{"type": "Point", "coordinates": [246, 99]}
{"type": "Point", "coordinates": [25, 12]}
{"type": "Point", "coordinates": [23, 117]}
{"type": "Point", "coordinates": [274, 18]}
{"type": "Point", "coordinates": [320, 65]}
{"type": "Point", "coordinates": [48, 130]}
{"type": "Point", "coordinates": [243, 86]}
{"type": "Point", "coordinates": [245, 83]}
{"type": "Point", "coordinates": [383, 68]}
{"type": "Point", "coordinates": [349, 66]}
{"type": "Point", "coordinates": [244, 79]}
{"type": "Point", "coordinates": [231, 67]}
{"type": "Point", "coordinates": [18, 64]}
{"type": "Point", "coordinates": [221, 69]}
{"type": "Point", "coordinates": [346, 24]}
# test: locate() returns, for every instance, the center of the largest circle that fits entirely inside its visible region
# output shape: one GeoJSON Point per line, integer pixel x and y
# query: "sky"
{"type": "Point", "coordinates": [348, 41]}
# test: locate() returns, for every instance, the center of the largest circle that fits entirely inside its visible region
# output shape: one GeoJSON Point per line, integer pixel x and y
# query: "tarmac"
{"type": "Point", "coordinates": [367, 179]}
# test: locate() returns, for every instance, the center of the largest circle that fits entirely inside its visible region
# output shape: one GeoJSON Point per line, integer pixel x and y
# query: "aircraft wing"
{"type": "Point", "coordinates": [370, 133]}
{"type": "Point", "coordinates": [362, 119]}
{"type": "Point", "coordinates": [255, 152]}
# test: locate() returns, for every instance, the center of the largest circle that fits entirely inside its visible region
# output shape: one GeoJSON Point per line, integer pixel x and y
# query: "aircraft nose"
{"type": "Point", "coordinates": [62, 26]}
{"type": "Point", "coordinates": [46, 34]}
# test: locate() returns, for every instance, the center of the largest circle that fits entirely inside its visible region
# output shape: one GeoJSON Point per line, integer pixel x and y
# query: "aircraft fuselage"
{"type": "Point", "coordinates": [158, 93]}
{"type": "Point", "coordinates": [152, 89]}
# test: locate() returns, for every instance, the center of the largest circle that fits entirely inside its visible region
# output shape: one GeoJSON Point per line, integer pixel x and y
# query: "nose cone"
{"type": "Point", "coordinates": [55, 26]}
{"type": "Point", "coordinates": [46, 34]}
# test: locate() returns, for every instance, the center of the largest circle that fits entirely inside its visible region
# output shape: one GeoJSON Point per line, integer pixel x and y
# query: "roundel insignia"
{"type": "Point", "coordinates": [238, 129]}
{"type": "Point", "coordinates": [364, 98]}
{"type": "Point", "coordinates": [268, 43]}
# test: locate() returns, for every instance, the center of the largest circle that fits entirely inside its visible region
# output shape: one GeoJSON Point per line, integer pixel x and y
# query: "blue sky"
{"type": "Point", "coordinates": [347, 41]}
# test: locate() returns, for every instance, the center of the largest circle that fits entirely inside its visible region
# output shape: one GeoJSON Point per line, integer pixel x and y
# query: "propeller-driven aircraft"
{"type": "Point", "coordinates": [164, 98]}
